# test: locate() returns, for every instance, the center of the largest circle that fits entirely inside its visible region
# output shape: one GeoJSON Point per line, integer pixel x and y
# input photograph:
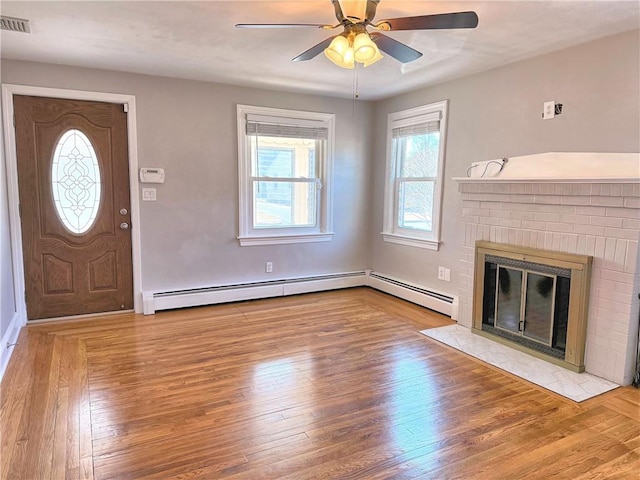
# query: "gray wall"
{"type": "Point", "coordinates": [189, 234]}
{"type": "Point", "coordinates": [189, 129]}
{"type": "Point", "coordinates": [498, 114]}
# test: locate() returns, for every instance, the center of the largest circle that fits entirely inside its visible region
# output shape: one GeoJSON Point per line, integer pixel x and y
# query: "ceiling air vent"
{"type": "Point", "coordinates": [15, 24]}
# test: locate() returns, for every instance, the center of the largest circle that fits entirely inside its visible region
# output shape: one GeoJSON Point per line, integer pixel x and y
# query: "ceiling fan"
{"type": "Point", "coordinates": [357, 44]}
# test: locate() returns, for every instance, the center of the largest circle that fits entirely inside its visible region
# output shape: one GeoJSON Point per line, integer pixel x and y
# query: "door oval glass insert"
{"type": "Point", "coordinates": [75, 181]}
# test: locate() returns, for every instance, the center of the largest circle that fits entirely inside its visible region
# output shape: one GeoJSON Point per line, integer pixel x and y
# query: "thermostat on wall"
{"type": "Point", "coordinates": [152, 175]}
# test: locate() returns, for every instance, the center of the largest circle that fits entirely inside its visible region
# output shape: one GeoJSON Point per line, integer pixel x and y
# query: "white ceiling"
{"type": "Point", "coordinates": [197, 39]}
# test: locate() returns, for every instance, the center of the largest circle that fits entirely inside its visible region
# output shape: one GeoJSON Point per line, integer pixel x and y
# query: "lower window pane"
{"type": "Point", "coordinates": [415, 205]}
{"type": "Point", "coordinates": [282, 204]}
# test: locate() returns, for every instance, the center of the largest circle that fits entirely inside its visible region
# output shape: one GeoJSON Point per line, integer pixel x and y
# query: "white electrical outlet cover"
{"type": "Point", "coordinates": [549, 110]}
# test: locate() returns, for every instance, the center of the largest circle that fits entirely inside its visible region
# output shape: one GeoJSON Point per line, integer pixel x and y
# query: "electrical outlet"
{"type": "Point", "coordinates": [549, 110]}
{"type": "Point", "coordinates": [268, 267]}
{"type": "Point", "coordinates": [447, 274]}
{"type": "Point", "coordinates": [441, 273]}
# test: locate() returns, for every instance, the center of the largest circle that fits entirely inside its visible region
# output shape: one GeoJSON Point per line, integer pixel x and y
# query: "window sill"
{"type": "Point", "coordinates": [411, 241]}
{"type": "Point", "coordinates": [284, 239]}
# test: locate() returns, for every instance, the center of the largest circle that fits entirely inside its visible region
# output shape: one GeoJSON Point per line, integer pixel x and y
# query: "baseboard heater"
{"type": "Point", "coordinates": [438, 301]}
{"type": "Point", "coordinates": [154, 301]}
{"type": "Point", "coordinates": [432, 299]}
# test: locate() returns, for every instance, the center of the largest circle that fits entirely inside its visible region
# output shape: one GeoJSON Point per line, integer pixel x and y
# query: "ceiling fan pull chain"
{"type": "Point", "coordinates": [356, 93]}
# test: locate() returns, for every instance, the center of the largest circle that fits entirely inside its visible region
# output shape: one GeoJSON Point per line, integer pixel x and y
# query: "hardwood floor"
{"type": "Point", "coordinates": [334, 385]}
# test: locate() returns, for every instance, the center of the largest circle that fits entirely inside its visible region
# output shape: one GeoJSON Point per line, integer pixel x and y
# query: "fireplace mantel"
{"type": "Point", "coordinates": [541, 180]}
{"type": "Point", "coordinates": [558, 167]}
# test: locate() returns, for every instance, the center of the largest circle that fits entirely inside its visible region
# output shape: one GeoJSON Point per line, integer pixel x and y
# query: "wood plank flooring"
{"type": "Point", "coordinates": [334, 385]}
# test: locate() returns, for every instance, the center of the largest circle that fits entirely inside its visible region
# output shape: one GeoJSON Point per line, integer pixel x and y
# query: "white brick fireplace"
{"type": "Point", "coordinates": [589, 206]}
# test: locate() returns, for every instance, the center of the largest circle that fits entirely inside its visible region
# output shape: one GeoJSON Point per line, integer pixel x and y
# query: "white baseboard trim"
{"type": "Point", "coordinates": [7, 344]}
{"type": "Point", "coordinates": [156, 301]}
{"type": "Point", "coordinates": [438, 301]}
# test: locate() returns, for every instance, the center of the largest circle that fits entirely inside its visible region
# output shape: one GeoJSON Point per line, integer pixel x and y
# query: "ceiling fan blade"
{"type": "Point", "coordinates": [314, 51]}
{"type": "Point", "coordinates": [431, 22]}
{"type": "Point", "coordinates": [284, 25]}
{"type": "Point", "coordinates": [394, 48]}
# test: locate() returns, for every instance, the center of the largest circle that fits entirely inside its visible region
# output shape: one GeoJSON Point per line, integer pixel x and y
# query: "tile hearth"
{"type": "Point", "coordinates": [575, 386]}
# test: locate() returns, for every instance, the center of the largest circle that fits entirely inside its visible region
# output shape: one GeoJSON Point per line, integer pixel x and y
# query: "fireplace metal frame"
{"type": "Point", "coordinates": [580, 267]}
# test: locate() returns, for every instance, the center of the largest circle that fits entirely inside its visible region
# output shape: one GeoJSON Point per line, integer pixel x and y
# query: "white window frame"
{"type": "Point", "coordinates": [322, 231]}
{"type": "Point", "coordinates": [392, 232]}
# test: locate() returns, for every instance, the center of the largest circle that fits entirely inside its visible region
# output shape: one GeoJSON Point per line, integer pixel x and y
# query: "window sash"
{"type": "Point", "coordinates": [417, 179]}
{"type": "Point", "coordinates": [399, 154]}
{"type": "Point", "coordinates": [254, 148]}
{"type": "Point", "coordinates": [401, 207]}
{"type": "Point", "coordinates": [400, 223]}
{"type": "Point", "coordinates": [424, 212]}
{"type": "Point", "coordinates": [295, 210]}
{"type": "Point", "coordinates": [312, 177]}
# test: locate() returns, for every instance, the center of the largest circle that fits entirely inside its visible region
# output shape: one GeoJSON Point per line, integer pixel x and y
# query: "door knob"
{"type": "Point", "coordinates": [124, 226]}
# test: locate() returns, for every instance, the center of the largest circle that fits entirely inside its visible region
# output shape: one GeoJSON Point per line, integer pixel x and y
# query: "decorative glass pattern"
{"type": "Point", "coordinates": [75, 181]}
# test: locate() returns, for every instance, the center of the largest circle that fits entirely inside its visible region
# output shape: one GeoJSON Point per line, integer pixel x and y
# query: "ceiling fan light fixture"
{"type": "Point", "coordinates": [378, 56]}
{"type": "Point", "coordinates": [340, 52]}
{"type": "Point", "coordinates": [357, 45]}
{"type": "Point", "coordinates": [346, 50]}
{"type": "Point", "coordinates": [364, 49]}
{"type": "Point", "coordinates": [337, 49]}
{"type": "Point", "coordinates": [348, 58]}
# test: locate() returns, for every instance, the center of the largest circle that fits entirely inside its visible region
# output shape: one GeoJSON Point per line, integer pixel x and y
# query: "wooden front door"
{"type": "Point", "coordinates": [73, 180]}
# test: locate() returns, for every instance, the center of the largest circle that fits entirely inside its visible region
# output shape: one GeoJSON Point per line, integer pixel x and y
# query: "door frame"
{"type": "Point", "coordinates": [129, 102]}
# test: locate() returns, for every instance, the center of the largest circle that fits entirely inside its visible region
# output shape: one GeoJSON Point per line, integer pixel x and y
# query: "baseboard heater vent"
{"type": "Point", "coordinates": [432, 299]}
{"type": "Point", "coordinates": [155, 301]}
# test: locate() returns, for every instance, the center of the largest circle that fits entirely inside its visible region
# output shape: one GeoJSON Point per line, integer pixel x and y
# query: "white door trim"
{"type": "Point", "coordinates": [8, 90]}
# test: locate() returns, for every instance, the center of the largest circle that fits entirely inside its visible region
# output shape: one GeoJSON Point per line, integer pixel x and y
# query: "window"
{"type": "Point", "coordinates": [75, 181]}
{"type": "Point", "coordinates": [284, 159]}
{"type": "Point", "coordinates": [415, 159]}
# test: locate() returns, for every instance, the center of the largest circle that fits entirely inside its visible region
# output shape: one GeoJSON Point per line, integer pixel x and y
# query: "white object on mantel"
{"type": "Point", "coordinates": [563, 166]}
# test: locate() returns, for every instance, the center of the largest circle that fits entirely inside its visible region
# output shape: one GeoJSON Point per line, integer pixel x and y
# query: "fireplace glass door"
{"type": "Point", "coordinates": [538, 310]}
{"type": "Point", "coordinates": [509, 299]}
{"type": "Point", "coordinates": [527, 303]}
